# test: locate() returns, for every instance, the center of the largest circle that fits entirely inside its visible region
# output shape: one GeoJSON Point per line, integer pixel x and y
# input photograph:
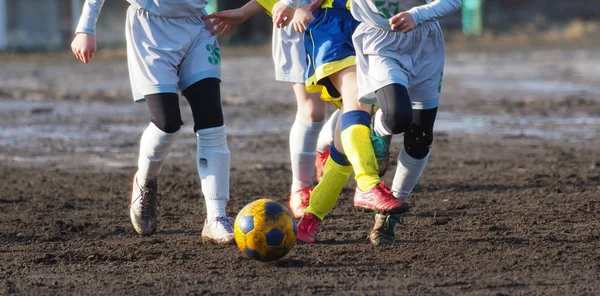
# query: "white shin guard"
{"type": "Point", "coordinates": [407, 175]}
{"type": "Point", "coordinates": [155, 146]}
{"type": "Point", "coordinates": [326, 135]}
{"type": "Point", "coordinates": [303, 144]}
{"type": "Point", "coordinates": [213, 162]}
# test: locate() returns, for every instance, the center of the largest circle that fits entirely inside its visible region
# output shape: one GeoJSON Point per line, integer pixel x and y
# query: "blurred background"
{"type": "Point", "coordinates": [49, 24]}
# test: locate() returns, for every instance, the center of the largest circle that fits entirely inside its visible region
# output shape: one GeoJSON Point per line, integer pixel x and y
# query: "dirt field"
{"type": "Point", "coordinates": [509, 203]}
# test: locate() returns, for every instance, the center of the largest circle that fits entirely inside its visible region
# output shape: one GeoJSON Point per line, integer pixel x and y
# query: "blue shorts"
{"type": "Point", "coordinates": [329, 48]}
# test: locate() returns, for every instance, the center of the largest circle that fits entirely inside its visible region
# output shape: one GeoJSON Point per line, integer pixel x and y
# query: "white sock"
{"type": "Point", "coordinates": [407, 175]}
{"type": "Point", "coordinates": [326, 135]}
{"type": "Point", "coordinates": [155, 146]}
{"type": "Point", "coordinates": [378, 124]}
{"type": "Point", "coordinates": [213, 160]}
{"type": "Point", "coordinates": [303, 144]}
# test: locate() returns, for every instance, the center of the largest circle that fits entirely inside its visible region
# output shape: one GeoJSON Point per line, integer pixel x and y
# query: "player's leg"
{"type": "Point", "coordinates": [304, 133]}
{"type": "Point", "coordinates": [155, 146]}
{"type": "Point", "coordinates": [324, 196]}
{"type": "Point", "coordinates": [415, 153]}
{"type": "Point", "coordinates": [200, 74]}
{"type": "Point", "coordinates": [212, 157]}
{"type": "Point", "coordinates": [158, 86]}
{"type": "Point", "coordinates": [324, 143]}
{"type": "Point", "coordinates": [371, 194]}
{"type": "Point", "coordinates": [424, 93]}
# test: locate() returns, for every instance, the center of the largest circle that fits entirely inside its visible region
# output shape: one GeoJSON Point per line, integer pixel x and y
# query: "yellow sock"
{"type": "Point", "coordinates": [356, 138]}
{"type": "Point", "coordinates": [326, 193]}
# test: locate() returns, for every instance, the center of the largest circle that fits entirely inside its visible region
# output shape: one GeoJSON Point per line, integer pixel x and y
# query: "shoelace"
{"type": "Point", "coordinates": [148, 203]}
{"type": "Point", "coordinates": [305, 198]}
{"type": "Point", "coordinates": [148, 199]}
{"type": "Point", "coordinates": [385, 189]}
{"type": "Point", "coordinates": [226, 222]}
{"type": "Point", "coordinates": [310, 224]}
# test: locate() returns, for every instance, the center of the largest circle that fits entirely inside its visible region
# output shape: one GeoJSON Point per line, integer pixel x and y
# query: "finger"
{"type": "Point", "coordinates": [223, 29]}
{"type": "Point", "coordinates": [403, 27]}
{"type": "Point", "coordinates": [284, 23]}
{"type": "Point", "coordinates": [78, 55]}
{"type": "Point", "coordinates": [213, 23]}
{"type": "Point", "coordinates": [226, 30]}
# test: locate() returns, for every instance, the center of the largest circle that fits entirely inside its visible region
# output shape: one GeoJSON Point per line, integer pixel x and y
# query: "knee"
{"type": "Point", "coordinates": [417, 141]}
{"type": "Point", "coordinates": [397, 122]}
{"type": "Point", "coordinates": [168, 124]}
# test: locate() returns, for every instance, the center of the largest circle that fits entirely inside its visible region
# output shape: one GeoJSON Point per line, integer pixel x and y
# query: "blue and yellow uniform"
{"type": "Point", "coordinates": [329, 47]}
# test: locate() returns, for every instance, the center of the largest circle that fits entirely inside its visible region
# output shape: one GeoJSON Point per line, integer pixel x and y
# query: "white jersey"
{"type": "Point", "coordinates": [378, 12]}
{"type": "Point", "coordinates": [163, 8]}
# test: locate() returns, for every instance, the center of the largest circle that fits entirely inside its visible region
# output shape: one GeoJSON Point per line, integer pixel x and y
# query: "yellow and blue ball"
{"type": "Point", "coordinates": [265, 230]}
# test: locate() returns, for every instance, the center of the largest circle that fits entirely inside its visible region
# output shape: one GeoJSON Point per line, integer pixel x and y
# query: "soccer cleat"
{"type": "Point", "coordinates": [299, 201]}
{"type": "Point", "coordinates": [142, 209]}
{"type": "Point", "coordinates": [308, 227]}
{"type": "Point", "coordinates": [320, 163]}
{"type": "Point", "coordinates": [381, 145]}
{"type": "Point", "coordinates": [383, 232]}
{"type": "Point", "coordinates": [378, 199]}
{"type": "Point", "coordinates": [218, 230]}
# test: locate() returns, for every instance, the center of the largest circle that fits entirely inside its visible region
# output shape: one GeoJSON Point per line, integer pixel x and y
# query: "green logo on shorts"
{"type": "Point", "coordinates": [387, 9]}
{"type": "Point", "coordinates": [440, 86]}
{"type": "Point", "coordinates": [215, 54]}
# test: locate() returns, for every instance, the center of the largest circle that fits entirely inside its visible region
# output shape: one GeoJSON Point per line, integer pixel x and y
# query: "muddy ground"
{"type": "Point", "coordinates": [494, 214]}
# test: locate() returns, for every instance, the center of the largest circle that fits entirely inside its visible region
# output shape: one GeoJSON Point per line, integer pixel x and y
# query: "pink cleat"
{"type": "Point", "coordinates": [308, 227]}
{"type": "Point", "coordinates": [379, 199]}
{"type": "Point", "coordinates": [299, 202]}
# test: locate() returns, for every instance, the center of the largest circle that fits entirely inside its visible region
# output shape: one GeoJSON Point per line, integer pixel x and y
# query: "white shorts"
{"type": "Point", "coordinates": [415, 60]}
{"type": "Point", "coordinates": [289, 55]}
{"type": "Point", "coordinates": [168, 54]}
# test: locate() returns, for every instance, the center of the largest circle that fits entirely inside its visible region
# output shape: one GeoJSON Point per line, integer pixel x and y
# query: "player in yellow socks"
{"type": "Point", "coordinates": [332, 72]}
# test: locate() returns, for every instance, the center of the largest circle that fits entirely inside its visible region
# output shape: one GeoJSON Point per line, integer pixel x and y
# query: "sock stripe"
{"type": "Point", "coordinates": [338, 157]}
{"type": "Point", "coordinates": [355, 117]}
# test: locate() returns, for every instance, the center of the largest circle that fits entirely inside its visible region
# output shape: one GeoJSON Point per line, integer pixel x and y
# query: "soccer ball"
{"type": "Point", "coordinates": [265, 230]}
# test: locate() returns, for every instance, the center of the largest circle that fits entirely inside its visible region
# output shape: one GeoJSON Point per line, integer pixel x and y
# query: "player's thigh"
{"type": "Point", "coordinates": [425, 84]}
{"type": "Point", "coordinates": [202, 60]}
{"type": "Point", "coordinates": [152, 53]}
{"type": "Point", "coordinates": [310, 105]}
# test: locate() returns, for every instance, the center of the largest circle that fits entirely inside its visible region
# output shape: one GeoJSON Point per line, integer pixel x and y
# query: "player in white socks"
{"type": "Point", "coordinates": [168, 49]}
{"type": "Point", "coordinates": [400, 61]}
{"type": "Point", "coordinates": [309, 139]}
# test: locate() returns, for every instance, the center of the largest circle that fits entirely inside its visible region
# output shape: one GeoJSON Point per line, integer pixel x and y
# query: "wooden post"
{"type": "Point", "coordinates": [3, 25]}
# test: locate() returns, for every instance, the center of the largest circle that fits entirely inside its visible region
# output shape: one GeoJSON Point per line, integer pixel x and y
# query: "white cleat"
{"type": "Point", "coordinates": [142, 209]}
{"type": "Point", "coordinates": [218, 230]}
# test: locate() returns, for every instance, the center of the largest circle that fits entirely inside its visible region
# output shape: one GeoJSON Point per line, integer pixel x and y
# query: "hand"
{"type": "Point", "coordinates": [316, 4]}
{"type": "Point", "coordinates": [222, 21]}
{"type": "Point", "coordinates": [302, 18]}
{"type": "Point", "coordinates": [403, 22]}
{"type": "Point", "coordinates": [282, 14]}
{"type": "Point", "coordinates": [84, 47]}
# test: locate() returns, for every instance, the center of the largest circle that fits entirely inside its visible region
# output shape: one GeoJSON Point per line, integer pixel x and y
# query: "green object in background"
{"type": "Point", "coordinates": [472, 17]}
{"type": "Point", "coordinates": [211, 6]}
